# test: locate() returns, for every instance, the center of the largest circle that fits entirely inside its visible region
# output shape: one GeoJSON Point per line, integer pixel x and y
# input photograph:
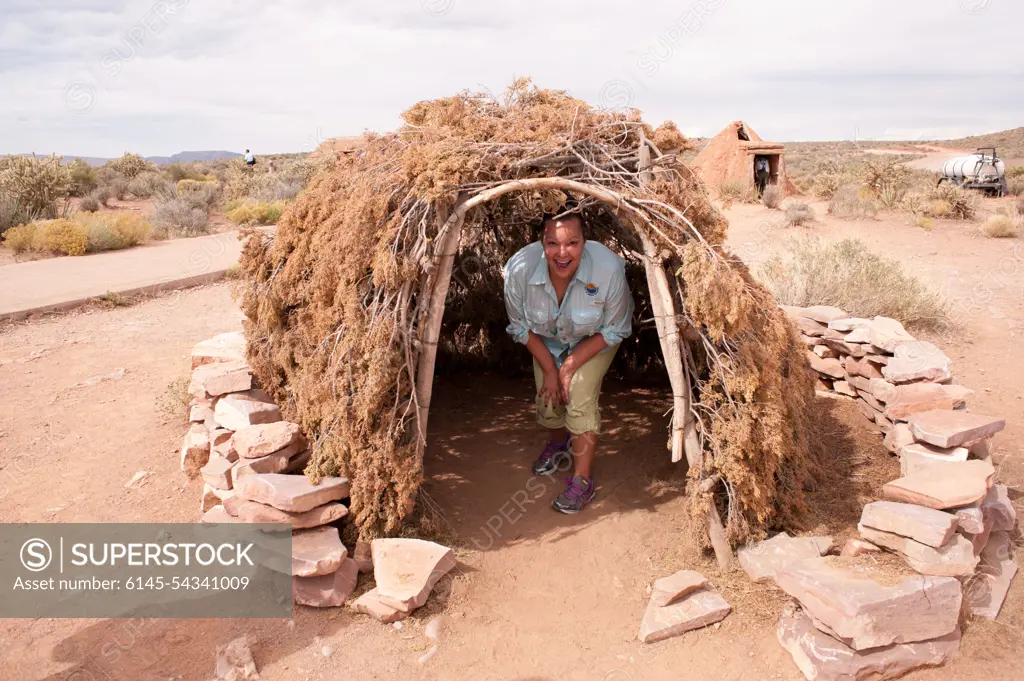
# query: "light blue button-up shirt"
{"type": "Point", "coordinates": [597, 300]}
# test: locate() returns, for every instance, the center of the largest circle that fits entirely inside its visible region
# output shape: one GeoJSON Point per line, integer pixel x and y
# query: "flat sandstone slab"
{"type": "Point", "coordinates": [293, 493]}
{"type": "Point", "coordinates": [822, 658]}
{"type": "Point", "coordinates": [855, 601]}
{"type": "Point", "coordinates": [699, 609]}
{"type": "Point", "coordinates": [958, 483]}
{"type": "Point", "coordinates": [671, 588]}
{"type": "Point", "coordinates": [946, 428]}
{"type": "Point", "coordinates": [764, 559]}
{"type": "Point", "coordinates": [226, 347]}
{"type": "Point", "coordinates": [370, 604]}
{"type": "Point", "coordinates": [916, 398]}
{"type": "Point", "coordinates": [317, 552]}
{"type": "Point", "coordinates": [211, 380]}
{"type": "Point", "coordinates": [954, 559]}
{"type": "Point", "coordinates": [918, 360]}
{"type": "Point", "coordinates": [326, 591]}
{"type": "Point", "coordinates": [254, 512]}
{"type": "Point", "coordinates": [264, 439]}
{"type": "Point", "coordinates": [407, 569]}
{"type": "Point", "coordinates": [920, 523]}
{"type": "Point", "coordinates": [240, 410]}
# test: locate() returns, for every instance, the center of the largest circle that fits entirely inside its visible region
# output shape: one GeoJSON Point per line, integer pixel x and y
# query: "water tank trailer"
{"type": "Point", "coordinates": [981, 170]}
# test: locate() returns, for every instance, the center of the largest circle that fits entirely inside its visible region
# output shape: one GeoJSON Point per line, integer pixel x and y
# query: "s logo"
{"type": "Point", "coordinates": [592, 290]}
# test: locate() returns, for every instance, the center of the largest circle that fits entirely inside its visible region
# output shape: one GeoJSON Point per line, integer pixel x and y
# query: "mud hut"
{"type": "Point", "coordinates": [731, 154]}
{"type": "Point", "coordinates": [350, 307]}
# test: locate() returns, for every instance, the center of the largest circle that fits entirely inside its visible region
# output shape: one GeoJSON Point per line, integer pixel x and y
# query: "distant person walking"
{"type": "Point", "coordinates": [250, 160]}
{"type": "Point", "coordinates": [761, 173]}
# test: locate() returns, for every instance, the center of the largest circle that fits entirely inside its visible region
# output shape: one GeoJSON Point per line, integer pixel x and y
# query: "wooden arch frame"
{"type": "Point", "coordinates": [685, 441]}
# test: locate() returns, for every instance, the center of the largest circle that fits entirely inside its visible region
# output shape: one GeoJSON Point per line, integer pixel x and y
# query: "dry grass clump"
{"type": "Point", "coordinates": [849, 203]}
{"type": "Point", "coordinates": [771, 197]}
{"type": "Point", "coordinates": [729, 191]}
{"type": "Point", "coordinates": [178, 217]}
{"type": "Point", "coordinates": [950, 201]}
{"type": "Point", "coordinates": [848, 275]}
{"type": "Point", "coordinates": [925, 223]}
{"type": "Point", "coordinates": [799, 213]}
{"type": "Point", "coordinates": [337, 298]}
{"type": "Point", "coordinates": [999, 227]}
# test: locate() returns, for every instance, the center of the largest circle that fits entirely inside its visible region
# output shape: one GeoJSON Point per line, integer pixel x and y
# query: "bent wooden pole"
{"type": "Point", "coordinates": [684, 430]}
{"type": "Point", "coordinates": [445, 252]}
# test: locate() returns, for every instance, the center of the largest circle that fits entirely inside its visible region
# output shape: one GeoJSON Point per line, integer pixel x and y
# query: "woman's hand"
{"type": "Point", "coordinates": [551, 391]}
{"type": "Point", "coordinates": [565, 374]}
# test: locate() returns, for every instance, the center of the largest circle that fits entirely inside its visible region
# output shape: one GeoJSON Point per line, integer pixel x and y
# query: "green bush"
{"type": "Point", "coordinates": [83, 177]}
{"type": "Point", "coordinates": [131, 165]}
{"type": "Point", "coordinates": [36, 182]}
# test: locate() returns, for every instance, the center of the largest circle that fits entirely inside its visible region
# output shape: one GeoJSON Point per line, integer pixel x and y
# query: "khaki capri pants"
{"type": "Point", "coordinates": [582, 414]}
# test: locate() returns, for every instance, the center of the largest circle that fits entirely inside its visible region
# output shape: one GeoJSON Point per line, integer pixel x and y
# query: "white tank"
{"type": "Point", "coordinates": [975, 167]}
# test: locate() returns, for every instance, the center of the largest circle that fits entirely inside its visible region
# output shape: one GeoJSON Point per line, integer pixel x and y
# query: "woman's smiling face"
{"type": "Point", "coordinates": [563, 246]}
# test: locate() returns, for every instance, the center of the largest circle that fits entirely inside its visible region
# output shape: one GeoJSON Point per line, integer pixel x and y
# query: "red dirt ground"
{"type": "Point", "coordinates": [549, 597]}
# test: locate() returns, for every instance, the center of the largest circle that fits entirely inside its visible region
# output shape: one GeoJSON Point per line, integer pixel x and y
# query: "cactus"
{"type": "Point", "coordinates": [130, 164]}
{"type": "Point", "coordinates": [36, 182]}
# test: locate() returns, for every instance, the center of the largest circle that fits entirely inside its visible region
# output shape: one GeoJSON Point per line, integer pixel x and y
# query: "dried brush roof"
{"type": "Point", "coordinates": [344, 301]}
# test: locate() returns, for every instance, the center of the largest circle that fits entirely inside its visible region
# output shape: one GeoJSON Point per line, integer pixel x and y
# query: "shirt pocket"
{"type": "Point", "coordinates": [538, 319]}
{"type": "Point", "coordinates": [585, 321]}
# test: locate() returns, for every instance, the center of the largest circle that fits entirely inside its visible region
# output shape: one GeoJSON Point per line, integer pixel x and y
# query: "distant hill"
{"type": "Point", "coordinates": [180, 157]}
{"type": "Point", "coordinates": [1008, 143]}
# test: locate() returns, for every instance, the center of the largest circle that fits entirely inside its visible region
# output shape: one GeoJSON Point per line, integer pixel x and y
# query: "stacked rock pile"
{"type": "Point", "coordinates": [252, 465]}
{"type": "Point", "coordinates": [944, 517]}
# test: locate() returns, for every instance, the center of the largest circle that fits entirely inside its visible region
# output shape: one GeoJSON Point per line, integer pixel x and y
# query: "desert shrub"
{"type": "Point", "coordinates": [13, 212]}
{"type": "Point", "coordinates": [36, 182]}
{"type": "Point", "coordinates": [848, 203]}
{"type": "Point", "coordinates": [83, 177]}
{"type": "Point", "coordinates": [174, 400]}
{"type": "Point", "coordinates": [279, 191]}
{"type": "Point", "coordinates": [102, 194]}
{"type": "Point", "coordinates": [200, 194]}
{"type": "Point", "coordinates": [962, 203]}
{"type": "Point", "coordinates": [1019, 204]}
{"type": "Point", "coordinates": [60, 236]}
{"type": "Point", "coordinates": [799, 213]}
{"type": "Point", "coordinates": [257, 212]}
{"type": "Point", "coordinates": [178, 217]}
{"type": "Point", "coordinates": [147, 185]}
{"type": "Point", "coordinates": [887, 178]}
{"type": "Point", "coordinates": [848, 275]}
{"type": "Point", "coordinates": [999, 227]}
{"type": "Point", "coordinates": [1014, 171]}
{"type": "Point", "coordinates": [21, 238]}
{"type": "Point", "coordinates": [1015, 186]}
{"type": "Point", "coordinates": [110, 231]}
{"type": "Point", "coordinates": [938, 208]}
{"type": "Point", "coordinates": [181, 171]}
{"type": "Point", "coordinates": [90, 204]}
{"type": "Point", "coordinates": [927, 224]}
{"type": "Point", "coordinates": [829, 175]}
{"type": "Point", "coordinates": [244, 181]}
{"type": "Point", "coordinates": [771, 197]}
{"type": "Point", "coordinates": [130, 165]}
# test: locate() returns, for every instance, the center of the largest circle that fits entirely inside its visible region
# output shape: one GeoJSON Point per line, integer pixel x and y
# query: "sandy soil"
{"type": "Point", "coordinates": [536, 595]}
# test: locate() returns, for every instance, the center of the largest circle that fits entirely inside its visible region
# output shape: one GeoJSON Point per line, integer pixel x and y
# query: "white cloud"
{"type": "Point", "coordinates": [275, 76]}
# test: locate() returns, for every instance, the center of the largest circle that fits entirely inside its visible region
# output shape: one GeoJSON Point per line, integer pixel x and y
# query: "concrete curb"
{"type": "Point", "coordinates": [149, 289]}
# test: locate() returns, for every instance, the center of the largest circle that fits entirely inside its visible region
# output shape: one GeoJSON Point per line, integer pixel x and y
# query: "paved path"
{"type": "Point", "coordinates": [63, 283]}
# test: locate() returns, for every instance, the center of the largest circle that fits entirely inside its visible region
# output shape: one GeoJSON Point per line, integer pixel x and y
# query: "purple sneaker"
{"type": "Point", "coordinates": [579, 492]}
{"type": "Point", "coordinates": [553, 457]}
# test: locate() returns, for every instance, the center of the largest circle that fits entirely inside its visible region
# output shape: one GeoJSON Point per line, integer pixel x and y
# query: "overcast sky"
{"type": "Point", "coordinates": [98, 77]}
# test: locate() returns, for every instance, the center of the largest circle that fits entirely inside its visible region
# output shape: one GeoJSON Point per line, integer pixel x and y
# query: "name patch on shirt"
{"type": "Point", "coordinates": [592, 289]}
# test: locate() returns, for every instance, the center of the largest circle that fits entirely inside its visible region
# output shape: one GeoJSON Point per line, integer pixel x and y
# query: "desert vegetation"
{"type": "Point", "coordinates": [48, 206]}
{"type": "Point", "coordinates": [847, 274]}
